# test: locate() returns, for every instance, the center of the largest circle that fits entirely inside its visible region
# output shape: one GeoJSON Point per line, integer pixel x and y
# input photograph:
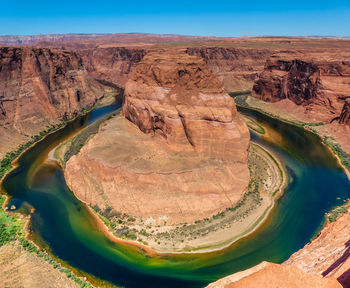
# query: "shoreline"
{"type": "Point", "coordinates": [252, 226]}
{"type": "Point", "coordinates": [305, 125]}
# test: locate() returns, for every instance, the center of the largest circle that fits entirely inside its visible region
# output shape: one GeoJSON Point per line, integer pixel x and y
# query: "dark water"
{"type": "Point", "coordinates": [64, 225]}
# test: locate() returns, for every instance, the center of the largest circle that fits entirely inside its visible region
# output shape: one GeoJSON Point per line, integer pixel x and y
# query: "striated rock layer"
{"type": "Point", "coordinates": [236, 68]}
{"type": "Point", "coordinates": [39, 87]}
{"type": "Point", "coordinates": [184, 129]}
{"type": "Point", "coordinates": [328, 255]}
{"type": "Point", "coordinates": [177, 97]}
{"type": "Point", "coordinates": [345, 113]}
{"type": "Point", "coordinates": [112, 64]}
{"type": "Point", "coordinates": [319, 82]}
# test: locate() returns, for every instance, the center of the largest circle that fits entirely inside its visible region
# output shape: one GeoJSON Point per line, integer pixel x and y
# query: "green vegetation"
{"type": "Point", "coordinates": [11, 228]}
{"type": "Point", "coordinates": [255, 126]}
{"type": "Point", "coordinates": [336, 148]}
{"type": "Point", "coordinates": [334, 214]}
{"type": "Point", "coordinates": [6, 162]}
{"type": "Point", "coordinates": [30, 247]}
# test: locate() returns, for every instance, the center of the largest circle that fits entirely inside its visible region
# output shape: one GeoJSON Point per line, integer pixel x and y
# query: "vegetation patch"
{"type": "Point", "coordinates": [12, 228]}
{"type": "Point", "coordinates": [6, 162]}
{"type": "Point", "coordinates": [148, 231]}
{"type": "Point", "coordinates": [334, 214]}
{"type": "Point", "coordinates": [336, 148]}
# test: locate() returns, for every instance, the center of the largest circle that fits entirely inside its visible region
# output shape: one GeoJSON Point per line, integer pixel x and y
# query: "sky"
{"type": "Point", "coordinates": [207, 18]}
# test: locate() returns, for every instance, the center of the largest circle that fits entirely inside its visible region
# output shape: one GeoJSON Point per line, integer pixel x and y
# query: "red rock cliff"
{"type": "Point", "coordinates": [112, 64]}
{"type": "Point", "coordinates": [39, 86]}
{"type": "Point", "coordinates": [319, 82]}
{"type": "Point", "coordinates": [236, 68]}
{"type": "Point", "coordinates": [176, 96]}
{"type": "Point", "coordinates": [345, 114]}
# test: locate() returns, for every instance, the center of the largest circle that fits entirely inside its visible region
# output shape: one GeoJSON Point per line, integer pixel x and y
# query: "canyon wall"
{"type": "Point", "coordinates": [236, 68]}
{"type": "Point", "coordinates": [111, 64]}
{"type": "Point", "coordinates": [39, 86]}
{"type": "Point", "coordinates": [328, 254]}
{"type": "Point", "coordinates": [319, 82]}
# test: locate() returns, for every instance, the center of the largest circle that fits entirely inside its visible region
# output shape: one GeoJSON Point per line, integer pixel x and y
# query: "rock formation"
{"type": "Point", "coordinates": [39, 87]}
{"type": "Point", "coordinates": [345, 114]}
{"type": "Point", "coordinates": [112, 64]}
{"type": "Point", "coordinates": [274, 276]}
{"type": "Point", "coordinates": [191, 134]}
{"type": "Point", "coordinates": [236, 68]}
{"type": "Point", "coordinates": [320, 82]}
{"type": "Point", "coordinates": [177, 97]}
{"type": "Point", "coordinates": [328, 254]}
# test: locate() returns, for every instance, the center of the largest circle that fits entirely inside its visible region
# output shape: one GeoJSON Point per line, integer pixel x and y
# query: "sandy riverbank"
{"type": "Point", "coordinates": [340, 134]}
{"type": "Point", "coordinates": [211, 234]}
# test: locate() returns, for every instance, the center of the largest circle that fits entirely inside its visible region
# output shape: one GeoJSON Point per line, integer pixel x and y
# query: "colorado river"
{"type": "Point", "coordinates": [64, 225]}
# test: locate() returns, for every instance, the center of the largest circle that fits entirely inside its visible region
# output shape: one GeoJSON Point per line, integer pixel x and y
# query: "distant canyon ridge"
{"type": "Point", "coordinates": [60, 74]}
{"type": "Point", "coordinates": [45, 79]}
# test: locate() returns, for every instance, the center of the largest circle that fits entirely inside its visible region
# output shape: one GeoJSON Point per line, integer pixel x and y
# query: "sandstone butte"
{"type": "Point", "coordinates": [38, 87]}
{"type": "Point", "coordinates": [183, 128]}
{"type": "Point", "coordinates": [318, 83]}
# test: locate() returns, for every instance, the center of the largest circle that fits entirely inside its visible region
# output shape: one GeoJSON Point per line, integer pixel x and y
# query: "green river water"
{"type": "Point", "coordinates": [65, 226]}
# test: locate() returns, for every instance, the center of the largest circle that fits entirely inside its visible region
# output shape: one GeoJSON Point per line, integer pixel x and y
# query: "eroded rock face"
{"type": "Point", "coordinates": [177, 97]}
{"type": "Point", "coordinates": [328, 254]}
{"type": "Point", "coordinates": [319, 82]}
{"type": "Point", "coordinates": [112, 64]}
{"type": "Point", "coordinates": [182, 154]}
{"type": "Point", "coordinates": [236, 68]}
{"type": "Point", "coordinates": [345, 114]}
{"type": "Point", "coordinates": [39, 87]}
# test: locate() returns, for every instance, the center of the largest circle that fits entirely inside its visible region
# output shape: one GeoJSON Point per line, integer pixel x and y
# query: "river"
{"type": "Point", "coordinates": [64, 226]}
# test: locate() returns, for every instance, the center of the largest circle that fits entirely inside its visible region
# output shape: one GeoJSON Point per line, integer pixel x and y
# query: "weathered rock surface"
{"type": "Point", "coordinates": [319, 82]}
{"type": "Point", "coordinates": [39, 87]}
{"type": "Point", "coordinates": [328, 254]}
{"type": "Point", "coordinates": [345, 113]}
{"type": "Point", "coordinates": [236, 68]}
{"type": "Point", "coordinates": [112, 64]}
{"type": "Point", "coordinates": [274, 276]}
{"type": "Point", "coordinates": [177, 97]}
{"type": "Point", "coordinates": [191, 134]}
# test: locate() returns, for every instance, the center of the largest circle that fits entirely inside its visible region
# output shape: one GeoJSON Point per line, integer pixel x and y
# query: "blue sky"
{"type": "Point", "coordinates": [216, 17]}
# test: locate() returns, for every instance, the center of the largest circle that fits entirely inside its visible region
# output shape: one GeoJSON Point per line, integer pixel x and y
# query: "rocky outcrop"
{"type": "Point", "coordinates": [236, 68]}
{"type": "Point", "coordinates": [327, 255]}
{"type": "Point", "coordinates": [345, 113]}
{"type": "Point", "coordinates": [41, 86]}
{"type": "Point", "coordinates": [274, 276]}
{"type": "Point", "coordinates": [184, 129]}
{"type": "Point", "coordinates": [319, 82]}
{"type": "Point", "coordinates": [178, 98]}
{"type": "Point", "coordinates": [112, 64]}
